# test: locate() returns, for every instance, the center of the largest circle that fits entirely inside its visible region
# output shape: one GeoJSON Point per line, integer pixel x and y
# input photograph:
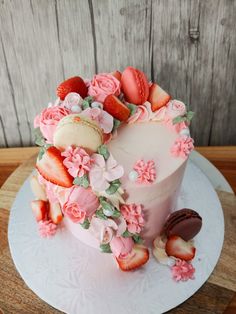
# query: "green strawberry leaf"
{"type": "Point", "coordinates": [132, 108]}
{"type": "Point", "coordinates": [102, 150]}
{"type": "Point", "coordinates": [105, 248]}
{"type": "Point", "coordinates": [85, 224]}
{"type": "Point", "coordinates": [114, 186]}
{"type": "Point", "coordinates": [38, 137]}
{"type": "Point", "coordinates": [82, 181]}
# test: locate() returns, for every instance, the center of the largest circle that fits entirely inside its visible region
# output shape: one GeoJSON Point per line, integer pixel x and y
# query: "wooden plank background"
{"type": "Point", "coordinates": [187, 46]}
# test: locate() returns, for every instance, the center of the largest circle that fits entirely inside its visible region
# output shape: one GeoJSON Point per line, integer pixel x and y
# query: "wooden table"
{"type": "Point", "coordinates": [218, 294]}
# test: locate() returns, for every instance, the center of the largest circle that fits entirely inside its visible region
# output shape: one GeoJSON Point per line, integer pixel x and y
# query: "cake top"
{"type": "Point", "coordinates": [81, 136]}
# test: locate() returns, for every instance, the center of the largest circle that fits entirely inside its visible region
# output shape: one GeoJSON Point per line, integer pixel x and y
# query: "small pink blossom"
{"type": "Point", "coordinates": [102, 172]}
{"type": "Point", "coordinates": [102, 85]}
{"type": "Point", "coordinates": [74, 212]}
{"type": "Point", "coordinates": [71, 100]}
{"type": "Point", "coordinates": [146, 171]}
{"type": "Point", "coordinates": [182, 147]}
{"type": "Point", "coordinates": [48, 119]}
{"type": "Point", "coordinates": [175, 108]}
{"type": "Point", "coordinates": [103, 230]}
{"type": "Point", "coordinates": [121, 247]}
{"type": "Point", "coordinates": [182, 271]}
{"type": "Point", "coordinates": [103, 118]}
{"type": "Point", "coordinates": [46, 228]}
{"type": "Point", "coordinates": [77, 160]}
{"type": "Point", "coordinates": [133, 216]}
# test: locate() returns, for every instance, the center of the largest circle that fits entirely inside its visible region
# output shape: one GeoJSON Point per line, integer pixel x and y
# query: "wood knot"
{"type": "Point", "coordinates": [194, 33]}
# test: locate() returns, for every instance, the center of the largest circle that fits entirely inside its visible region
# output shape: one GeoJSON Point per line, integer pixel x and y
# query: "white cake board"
{"type": "Point", "coordinates": [75, 278]}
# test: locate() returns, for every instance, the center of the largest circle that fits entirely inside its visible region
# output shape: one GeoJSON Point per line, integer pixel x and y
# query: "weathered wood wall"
{"type": "Point", "coordinates": [187, 46]}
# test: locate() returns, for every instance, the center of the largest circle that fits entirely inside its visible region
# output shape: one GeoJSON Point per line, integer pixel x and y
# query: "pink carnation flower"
{"type": "Point", "coordinates": [182, 147]}
{"type": "Point", "coordinates": [133, 216]}
{"type": "Point", "coordinates": [146, 171]}
{"type": "Point", "coordinates": [47, 228]}
{"type": "Point", "coordinates": [182, 271]}
{"type": "Point", "coordinates": [77, 161]}
{"type": "Point", "coordinates": [102, 85]}
{"type": "Point", "coordinates": [48, 120]}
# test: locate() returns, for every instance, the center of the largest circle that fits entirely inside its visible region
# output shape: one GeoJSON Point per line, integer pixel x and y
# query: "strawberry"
{"type": "Point", "coordinates": [116, 108]}
{"type": "Point", "coordinates": [40, 209]}
{"type": "Point", "coordinates": [157, 97]}
{"type": "Point", "coordinates": [55, 212]}
{"type": "Point", "coordinates": [72, 85]}
{"type": "Point", "coordinates": [51, 167]}
{"type": "Point", "coordinates": [135, 259]}
{"type": "Point", "coordinates": [38, 189]}
{"type": "Point", "coordinates": [177, 247]}
{"type": "Point", "coordinates": [117, 75]}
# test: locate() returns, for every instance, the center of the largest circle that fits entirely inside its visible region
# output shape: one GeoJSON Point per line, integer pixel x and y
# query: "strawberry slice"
{"type": "Point", "coordinates": [116, 108]}
{"type": "Point", "coordinates": [51, 167]}
{"type": "Point", "coordinates": [40, 209]}
{"type": "Point", "coordinates": [177, 247]}
{"type": "Point", "coordinates": [117, 75]}
{"type": "Point", "coordinates": [135, 259]}
{"type": "Point", "coordinates": [157, 97]}
{"type": "Point", "coordinates": [72, 85]}
{"type": "Point", "coordinates": [55, 213]}
{"type": "Point", "coordinates": [38, 189]}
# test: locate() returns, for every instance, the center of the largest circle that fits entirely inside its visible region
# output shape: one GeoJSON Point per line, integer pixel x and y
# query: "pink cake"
{"type": "Point", "coordinates": [113, 155]}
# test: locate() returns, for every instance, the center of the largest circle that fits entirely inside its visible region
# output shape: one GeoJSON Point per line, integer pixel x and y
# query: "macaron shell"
{"type": "Point", "coordinates": [187, 229]}
{"type": "Point", "coordinates": [77, 131]}
{"type": "Point", "coordinates": [135, 86]}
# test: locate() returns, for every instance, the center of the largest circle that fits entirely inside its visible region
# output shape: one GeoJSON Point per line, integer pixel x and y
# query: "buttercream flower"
{"type": "Point", "coordinates": [80, 203]}
{"type": "Point", "coordinates": [146, 171]}
{"type": "Point", "coordinates": [133, 216]}
{"type": "Point", "coordinates": [77, 160]}
{"type": "Point", "coordinates": [182, 147]}
{"type": "Point", "coordinates": [102, 85]}
{"type": "Point", "coordinates": [103, 118]}
{"type": "Point", "coordinates": [46, 228]}
{"type": "Point", "coordinates": [175, 108]}
{"type": "Point", "coordinates": [103, 230]}
{"type": "Point", "coordinates": [121, 247]}
{"type": "Point", "coordinates": [48, 119]}
{"type": "Point", "coordinates": [71, 101]}
{"type": "Point", "coordinates": [177, 127]}
{"type": "Point", "coordinates": [182, 271]}
{"type": "Point", "coordinates": [102, 172]}
{"type": "Point", "coordinates": [141, 114]}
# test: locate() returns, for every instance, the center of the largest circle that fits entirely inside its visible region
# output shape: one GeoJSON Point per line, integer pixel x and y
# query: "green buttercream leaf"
{"type": "Point", "coordinates": [99, 214]}
{"type": "Point", "coordinates": [116, 124]}
{"type": "Point", "coordinates": [105, 248]}
{"type": "Point", "coordinates": [190, 115]}
{"type": "Point", "coordinates": [85, 224]}
{"type": "Point", "coordinates": [127, 234]}
{"type": "Point", "coordinates": [38, 137]}
{"type": "Point", "coordinates": [116, 214]}
{"type": "Point", "coordinates": [114, 186]}
{"type": "Point", "coordinates": [179, 119]}
{"type": "Point", "coordinates": [89, 99]}
{"type": "Point", "coordinates": [82, 181]}
{"type": "Point", "coordinates": [41, 153]}
{"type": "Point", "coordinates": [102, 150]}
{"type": "Point", "coordinates": [137, 238]}
{"type": "Point", "coordinates": [132, 108]}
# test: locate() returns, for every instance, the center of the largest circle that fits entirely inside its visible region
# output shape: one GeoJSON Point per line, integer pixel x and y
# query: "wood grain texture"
{"type": "Point", "coordinates": [15, 297]}
{"type": "Point", "coordinates": [174, 41]}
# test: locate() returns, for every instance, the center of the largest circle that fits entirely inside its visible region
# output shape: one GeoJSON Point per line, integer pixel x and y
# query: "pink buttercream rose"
{"type": "Point", "coordinates": [79, 203]}
{"type": "Point", "coordinates": [102, 172]}
{"type": "Point", "coordinates": [120, 246]}
{"type": "Point", "coordinates": [103, 118]}
{"type": "Point", "coordinates": [175, 108]}
{"type": "Point", "coordinates": [46, 228]}
{"type": "Point", "coordinates": [48, 119]}
{"type": "Point", "coordinates": [146, 171]}
{"type": "Point", "coordinates": [182, 147]}
{"type": "Point", "coordinates": [133, 216]}
{"type": "Point", "coordinates": [102, 85]}
{"type": "Point", "coordinates": [77, 161]}
{"type": "Point", "coordinates": [182, 271]}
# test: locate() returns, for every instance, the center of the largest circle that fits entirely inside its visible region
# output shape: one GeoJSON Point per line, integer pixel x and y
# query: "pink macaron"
{"type": "Point", "coordinates": [135, 86]}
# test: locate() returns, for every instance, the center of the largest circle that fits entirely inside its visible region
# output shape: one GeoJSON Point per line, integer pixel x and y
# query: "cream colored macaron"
{"type": "Point", "coordinates": [78, 131]}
